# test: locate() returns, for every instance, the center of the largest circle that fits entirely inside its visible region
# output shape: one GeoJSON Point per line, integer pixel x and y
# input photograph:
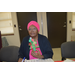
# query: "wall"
{"type": "Point", "coordinates": [45, 31]}
{"type": "Point", "coordinates": [14, 39]}
{"type": "Point", "coordinates": [42, 20]}
{"type": "Point", "coordinates": [69, 26]}
{"type": "Point", "coordinates": [39, 21]}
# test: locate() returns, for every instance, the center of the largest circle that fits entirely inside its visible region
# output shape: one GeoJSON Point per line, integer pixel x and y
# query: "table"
{"type": "Point", "coordinates": [64, 60]}
{"type": "Point", "coordinates": [39, 60]}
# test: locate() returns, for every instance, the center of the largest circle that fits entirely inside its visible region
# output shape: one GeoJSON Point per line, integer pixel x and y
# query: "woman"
{"type": "Point", "coordinates": [43, 52]}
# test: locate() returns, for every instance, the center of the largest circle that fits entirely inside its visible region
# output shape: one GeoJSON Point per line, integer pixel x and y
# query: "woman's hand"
{"type": "Point", "coordinates": [37, 55]}
{"type": "Point", "coordinates": [20, 60]}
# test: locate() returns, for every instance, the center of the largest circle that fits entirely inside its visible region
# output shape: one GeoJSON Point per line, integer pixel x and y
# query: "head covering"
{"type": "Point", "coordinates": [33, 23]}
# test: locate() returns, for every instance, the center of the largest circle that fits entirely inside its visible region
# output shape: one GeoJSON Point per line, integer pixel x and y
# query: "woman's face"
{"type": "Point", "coordinates": [33, 32]}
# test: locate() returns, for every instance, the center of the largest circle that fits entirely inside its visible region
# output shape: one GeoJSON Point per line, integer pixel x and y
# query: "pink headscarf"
{"type": "Point", "coordinates": [33, 23]}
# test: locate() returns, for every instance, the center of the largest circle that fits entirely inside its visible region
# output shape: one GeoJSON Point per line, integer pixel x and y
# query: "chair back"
{"type": "Point", "coordinates": [68, 50]}
{"type": "Point", "coordinates": [9, 54]}
{"type": "Point", "coordinates": [0, 41]}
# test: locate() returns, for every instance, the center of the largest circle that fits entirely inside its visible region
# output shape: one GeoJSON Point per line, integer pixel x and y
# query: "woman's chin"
{"type": "Point", "coordinates": [32, 35]}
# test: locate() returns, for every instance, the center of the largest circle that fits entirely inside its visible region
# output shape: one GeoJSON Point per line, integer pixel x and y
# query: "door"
{"type": "Point", "coordinates": [23, 19]}
{"type": "Point", "coordinates": [56, 23]}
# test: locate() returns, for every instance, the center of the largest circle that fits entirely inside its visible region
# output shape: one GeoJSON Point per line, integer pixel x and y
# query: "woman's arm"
{"type": "Point", "coordinates": [47, 47]}
{"type": "Point", "coordinates": [21, 54]}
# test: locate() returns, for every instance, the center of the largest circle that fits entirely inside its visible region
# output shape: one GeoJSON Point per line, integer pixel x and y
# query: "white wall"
{"type": "Point", "coordinates": [14, 39]}
{"type": "Point", "coordinates": [41, 17]}
{"type": "Point", "coordinates": [69, 26]}
{"type": "Point", "coordinates": [39, 21]}
{"type": "Point", "coordinates": [45, 31]}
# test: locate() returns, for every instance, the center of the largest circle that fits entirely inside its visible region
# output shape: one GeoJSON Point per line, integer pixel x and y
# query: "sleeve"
{"type": "Point", "coordinates": [21, 55]}
{"type": "Point", "coordinates": [48, 50]}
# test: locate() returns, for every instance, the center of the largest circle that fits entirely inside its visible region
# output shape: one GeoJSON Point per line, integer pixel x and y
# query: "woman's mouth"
{"type": "Point", "coordinates": [32, 33]}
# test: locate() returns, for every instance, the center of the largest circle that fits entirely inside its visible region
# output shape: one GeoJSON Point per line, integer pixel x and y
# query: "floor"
{"type": "Point", "coordinates": [57, 54]}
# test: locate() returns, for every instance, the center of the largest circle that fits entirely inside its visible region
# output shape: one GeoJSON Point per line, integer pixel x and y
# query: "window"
{"type": "Point", "coordinates": [6, 26]}
{"type": "Point", "coordinates": [73, 21]}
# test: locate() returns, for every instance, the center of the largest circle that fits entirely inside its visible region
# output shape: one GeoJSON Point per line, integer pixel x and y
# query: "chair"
{"type": "Point", "coordinates": [9, 54]}
{"type": "Point", "coordinates": [68, 50]}
{"type": "Point", "coordinates": [0, 41]}
{"type": "Point", "coordinates": [4, 42]}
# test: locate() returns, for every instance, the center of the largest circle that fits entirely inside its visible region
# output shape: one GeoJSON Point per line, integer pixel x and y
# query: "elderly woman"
{"type": "Point", "coordinates": [44, 50]}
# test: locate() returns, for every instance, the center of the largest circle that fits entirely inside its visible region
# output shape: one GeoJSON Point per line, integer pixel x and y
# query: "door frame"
{"type": "Point", "coordinates": [42, 20]}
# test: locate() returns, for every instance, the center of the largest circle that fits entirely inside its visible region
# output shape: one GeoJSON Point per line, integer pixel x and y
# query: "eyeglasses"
{"type": "Point", "coordinates": [34, 29]}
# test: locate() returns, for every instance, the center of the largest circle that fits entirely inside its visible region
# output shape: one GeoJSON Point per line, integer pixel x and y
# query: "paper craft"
{"type": "Point", "coordinates": [33, 44]}
{"type": "Point", "coordinates": [68, 60]}
{"type": "Point", "coordinates": [40, 60]}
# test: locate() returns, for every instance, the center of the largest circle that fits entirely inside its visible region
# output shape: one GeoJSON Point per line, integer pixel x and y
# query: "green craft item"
{"type": "Point", "coordinates": [33, 44]}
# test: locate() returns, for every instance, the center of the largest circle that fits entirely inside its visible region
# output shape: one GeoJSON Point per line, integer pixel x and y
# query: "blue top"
{"type": "Point", "coordinates": [44, 45]}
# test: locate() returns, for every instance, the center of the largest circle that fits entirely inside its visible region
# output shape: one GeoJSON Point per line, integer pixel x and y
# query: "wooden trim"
{"type": "Point", "coordinates": [73, 29]}
{"type": "Point", "coordinates": [5, 19]}
{"type": "Point", "coordinates": [6, 34]}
